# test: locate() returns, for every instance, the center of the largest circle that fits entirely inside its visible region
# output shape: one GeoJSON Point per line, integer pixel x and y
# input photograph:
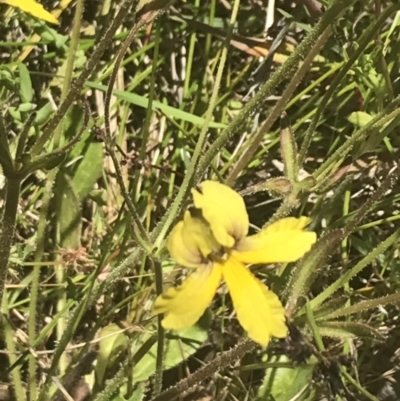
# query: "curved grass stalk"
{"type": "Point", "coordinates": [192, 171]}
{"type": "Point", "coordinates": [363, 43]}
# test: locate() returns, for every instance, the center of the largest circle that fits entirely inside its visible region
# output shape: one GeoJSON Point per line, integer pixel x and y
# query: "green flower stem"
{"type": "Point", "coordinates": [314, 327]}
{"type": "Point", "coordinates": [363, 43]}
{"type": "Point", "coordinates": [378, 222]}
{"type": "Point", "coordinates": [8, 228]}
{"type": "Point", "coordinates": [6, 240]}
{"type": "Point", "coordinates": [289, 203]}
{"type": "Point", "coordinates": [160, 332]}
{"type": "Point", "coordinates": [358, 386]}
{"type": "Point", "coordinates": [38, 256]}
{"type": "Point", "coordinates": [140, 232]}
{"type": "Point", "coordinates": [149, 111]}
{"type": "Point", "coordinates": [192, 171]}
{"type": "Point", "coordinates": [277, 110]}
{"type": "Point", "coordinates": [6, 160]}
{"type": "Point", "coordinates": [276, 78]}
{"type": "Point", "coordinates": [18, 387]}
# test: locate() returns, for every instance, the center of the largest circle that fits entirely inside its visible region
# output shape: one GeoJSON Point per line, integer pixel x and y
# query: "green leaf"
{"type": "Point", "coordinates": [25, 107]}
{"type": "Point", "coordinates": [138, 393]}
{"type": "Point", "coordinates": [359, 118]}
{"type": "Point", "coordinates": [168, 110]}
{"type": "Point", "coordinates": [44, 113]}
{"type": "Point", "coordinates": [25, 84]}
{"type": "Point", "coordinates": [329, 306]}
{"type": "Point", "coordinates": [89, 168]}
{"type": "Point", "coordinates": [46, 162]}
{"type": "Point", "coordinates": [288, 150]}
{"type": "Point", "coordinates": [113, 340]}
{"type": "Point", "coordinates": [364, 305]}
{"type": "Point", "coordinates": [285, 384]}
{"type": "Point", "coordinates": [179, 346]}
{"type": "Point", "coordinates": [68, 212]}
{"type": "Point", "coordinates": [344, 329]}
{"type": "Point", "coordinates": [85, 159]}
{"type": "Point", "coordinates": [336, 332]}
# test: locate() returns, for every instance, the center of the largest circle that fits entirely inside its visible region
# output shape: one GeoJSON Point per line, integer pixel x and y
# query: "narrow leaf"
{"type": "Point", "coordinates": [284, 384]}
{"type": "Point", "coordinates": [353, 329]}
{"type": "Point", "coordinates": [68, 212]}
{"type": "Point", "coordinates": [178, 347]}
{"type": "Point", "coordinates": [364, 305]}
{"type": "Point", "coordinates": [288, 150]}
{"type": "Point", "coordinates": [346, 277]}
{"type": "Point", "coordinates": [170, 111]}
{"type": "Point", "coordinates": [25, 84]}
{"type": "Point", "coordinates": [112, 341]}
{"type": "Point", "coordinates": [360, 118]}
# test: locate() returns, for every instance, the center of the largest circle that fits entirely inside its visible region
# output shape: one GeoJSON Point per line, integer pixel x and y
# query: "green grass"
{"type": "Point", "coordinates": [99, 147]}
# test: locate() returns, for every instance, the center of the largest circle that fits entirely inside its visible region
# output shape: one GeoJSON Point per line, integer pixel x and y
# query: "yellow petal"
{"type": "Point", "coordinates": [183, 306]}
{"type": "Point", "coordinates": [191, 241]}
{"type": "Point", "coordinates": [32, 7]}
{"type": "Point", "coordinates": [258, 309]}
{"type": "Point", "coordinates": [283, 241]}
{"type": "Point", "coordinates": [224, 210]}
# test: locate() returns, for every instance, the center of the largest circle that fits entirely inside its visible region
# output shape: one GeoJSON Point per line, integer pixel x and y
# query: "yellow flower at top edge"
{"type": "Point", "coordinates": [213, 238]}
{"type": "Point", "coordinates": [32, 7]}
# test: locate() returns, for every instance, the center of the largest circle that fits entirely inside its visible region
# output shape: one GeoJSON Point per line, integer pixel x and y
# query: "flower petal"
{"type": "Point", "coordinates": [183, 306]}
{"type": "Point", "coordinates": [224, 210]}
{"type": "Point", "coordinates": [258, 309]}
{"type": "Point", "coordinates": [191, 241]}
{"type": "Point", "coordinates": [32, 7]}
{"type": "Point", "coordinates": [283, 241]}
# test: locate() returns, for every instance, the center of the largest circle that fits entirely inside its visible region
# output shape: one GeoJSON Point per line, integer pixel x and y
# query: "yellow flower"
{"type": "Point", "coordinates": [212, 237]}
{"type": "Point", "coordinates": [32, 7]}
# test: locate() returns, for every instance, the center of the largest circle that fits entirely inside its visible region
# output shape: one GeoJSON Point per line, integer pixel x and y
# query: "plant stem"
{"type": "Point", "coordinates": [18, 387]}
{"type": "Point", "coordinates": [221, 361]}
{"type": "Point", "coordinates": [8, 228]}
{"type": "Point", "coordinates": [6, 240]}
{"type": "Point", "coordinates": [38, 256]}
{"type": "Point", "coordinates": [276, 78]}
{"type": "Point", "coordinates": [279, 107]}
{"type": "Point", "coordinates": [191, 171]}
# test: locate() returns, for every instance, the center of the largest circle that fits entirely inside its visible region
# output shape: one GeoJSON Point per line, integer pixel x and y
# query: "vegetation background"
{"type": "Point", "coordinates": [111, 116]}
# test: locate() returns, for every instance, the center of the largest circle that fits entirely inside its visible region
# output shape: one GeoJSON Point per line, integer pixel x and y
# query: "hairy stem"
{"type": "Point", "coordinates": [8, 228]}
